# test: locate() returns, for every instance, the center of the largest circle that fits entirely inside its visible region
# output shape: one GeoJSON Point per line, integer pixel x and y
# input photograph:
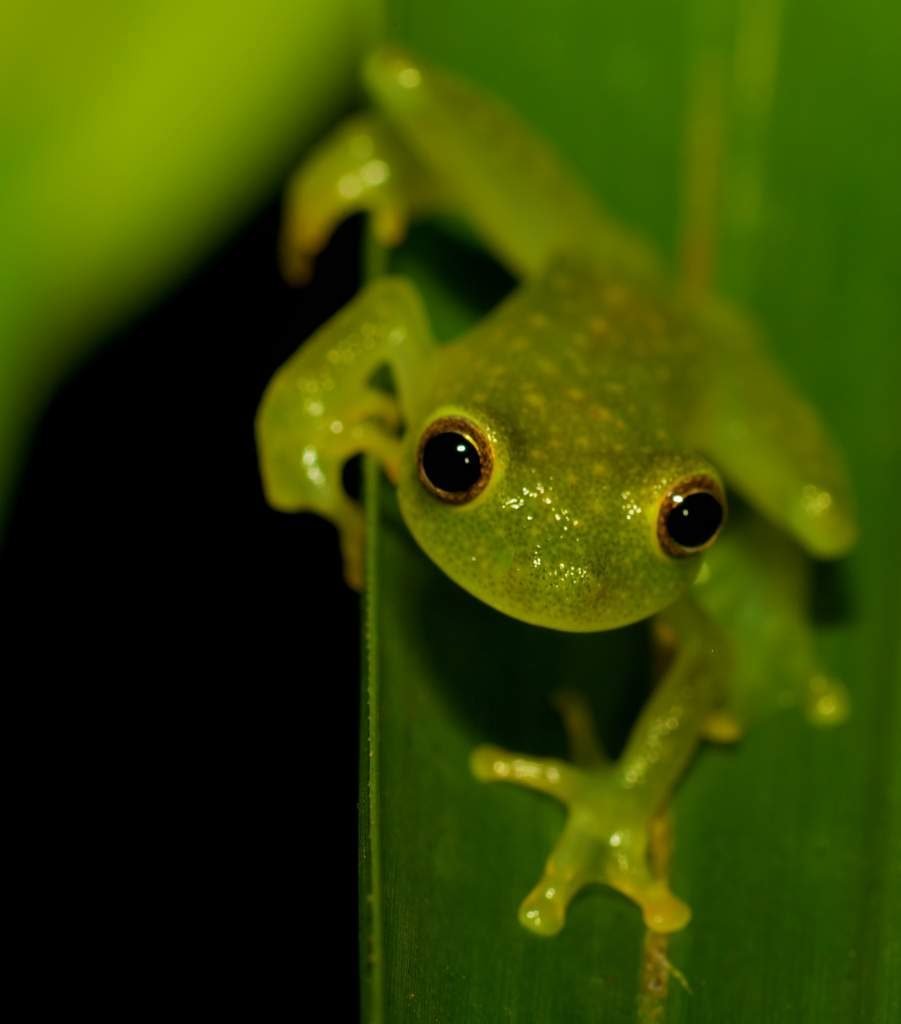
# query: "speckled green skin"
{"type": "Point", "coordinates": [598, 389]}
{"type": "Point", "coordinates": [565, 533]}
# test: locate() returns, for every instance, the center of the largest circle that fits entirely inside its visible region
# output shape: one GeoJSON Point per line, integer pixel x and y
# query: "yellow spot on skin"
{"type": "Point", "coordinates": [409, 78]}
{"type": "Point", "coordinates": [630, 506]}
{"type": "Point", "coordinates": [653, 322]}
{"type": "Point", "coordinates": [600, 413]}
{"type": "Point", "coordinates": [721, 727]}
{"type": "Point", "coordinates": [816, 501]}
{"type": "Point", "coordinates": [310, 460]}
{"type": "Point", "coordinates": [375, 172]}
{"type": "Point", "coordinates": [827, 701]}
{"type": "Point", "coordinates": [349, 186]}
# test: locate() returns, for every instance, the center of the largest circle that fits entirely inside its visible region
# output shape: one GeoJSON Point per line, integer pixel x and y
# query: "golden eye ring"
{"type": "Point", "coordinates": [455, 459]}
{"type": "Point", "coordinates": [691, 516]}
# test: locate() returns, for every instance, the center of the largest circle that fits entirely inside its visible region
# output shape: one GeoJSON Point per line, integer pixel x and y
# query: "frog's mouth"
{"type": "Point", "coordinates": [536, 572]}
{"type": "Point", "coordinates": [567, 601]}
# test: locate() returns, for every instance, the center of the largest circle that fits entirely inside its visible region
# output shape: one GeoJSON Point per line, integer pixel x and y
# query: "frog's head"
{"type": "Point", "coordinates": [561, 534]}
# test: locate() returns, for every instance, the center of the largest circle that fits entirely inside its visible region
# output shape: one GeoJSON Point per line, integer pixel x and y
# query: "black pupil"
{"type": "Point", "coordinates": [695, 519]}
{"type": "Point", "coordinates": [451, 462]}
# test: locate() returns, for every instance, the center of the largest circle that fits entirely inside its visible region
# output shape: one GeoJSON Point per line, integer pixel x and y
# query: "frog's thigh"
{"type": "Point", "coordinates": [772, 673]}
{"type": "Point", "coordinates": [720, 725]}
{"type": "Point", "coordinates": [321, 410]}
{"type": "Point", "coordinates": [756, 585]}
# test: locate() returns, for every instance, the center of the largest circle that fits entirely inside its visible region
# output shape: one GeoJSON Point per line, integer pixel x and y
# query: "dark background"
{"type": "Point", "coordinates": [182, 667]}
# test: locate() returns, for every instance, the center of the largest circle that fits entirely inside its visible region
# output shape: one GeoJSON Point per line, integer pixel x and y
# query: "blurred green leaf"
{"type": "Point", "coordinates": [132, 138]}
{"type": "Point", "coordinates": [789, 847]}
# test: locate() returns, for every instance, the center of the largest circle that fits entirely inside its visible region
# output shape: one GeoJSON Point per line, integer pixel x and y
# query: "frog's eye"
{"type": "Point", "coordinates": [455, 459]}
{"type": "Point", "coordinates": [691, 516]}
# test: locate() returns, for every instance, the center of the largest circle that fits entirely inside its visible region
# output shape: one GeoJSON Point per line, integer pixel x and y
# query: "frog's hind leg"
{"type": "Point", "coordinates": [612, 807]}
{"type": "Point", "coordinates": [577, 857]}
{"type": "Point", "coordinates": [756, 583]}
{"type": "Point", "coordinates": [602, 842]}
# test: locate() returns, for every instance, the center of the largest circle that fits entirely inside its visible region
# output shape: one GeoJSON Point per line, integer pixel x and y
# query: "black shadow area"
{"type": "Point", "coordinates": [184, 667]}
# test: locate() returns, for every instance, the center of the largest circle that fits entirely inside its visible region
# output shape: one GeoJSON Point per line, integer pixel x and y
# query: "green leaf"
{"type": "Point", "coordinates": [132, 138]}
{"type": "Point", "coordinates": [788, 848]}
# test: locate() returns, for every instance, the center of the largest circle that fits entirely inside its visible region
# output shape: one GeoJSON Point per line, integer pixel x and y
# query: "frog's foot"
{"type": "Point", "coordinates": [360, 167]}
{"type": "Point", "coordinates": [605, 840]}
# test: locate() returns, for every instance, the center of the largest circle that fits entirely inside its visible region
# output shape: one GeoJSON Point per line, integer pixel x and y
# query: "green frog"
{"type": "Point", "coordinates": [568, 460]}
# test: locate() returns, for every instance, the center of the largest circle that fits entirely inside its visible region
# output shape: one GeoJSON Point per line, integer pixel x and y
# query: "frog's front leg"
{"type": "Point", "coordinates": [768, 441]}
{"type": "Point", "coordinates": [321, 408]}
{"type": "Point", "coordinates": [436, 143]}
{"type": "Point", "coordinates": [611, 806]}
{"type": "Point", "coordinates": [362, 166]}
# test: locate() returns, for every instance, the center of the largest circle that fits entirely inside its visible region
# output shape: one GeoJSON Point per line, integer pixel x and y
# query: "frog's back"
{"type": "Point", "coordinates": [586, 354]}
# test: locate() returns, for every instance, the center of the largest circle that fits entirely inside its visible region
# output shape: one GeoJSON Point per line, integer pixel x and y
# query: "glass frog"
{"type": "Point", "coordinates": [567, 460]}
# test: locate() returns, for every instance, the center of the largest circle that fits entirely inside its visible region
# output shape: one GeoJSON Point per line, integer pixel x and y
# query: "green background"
{"type": "Point", "coordinates": [133, 137]}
